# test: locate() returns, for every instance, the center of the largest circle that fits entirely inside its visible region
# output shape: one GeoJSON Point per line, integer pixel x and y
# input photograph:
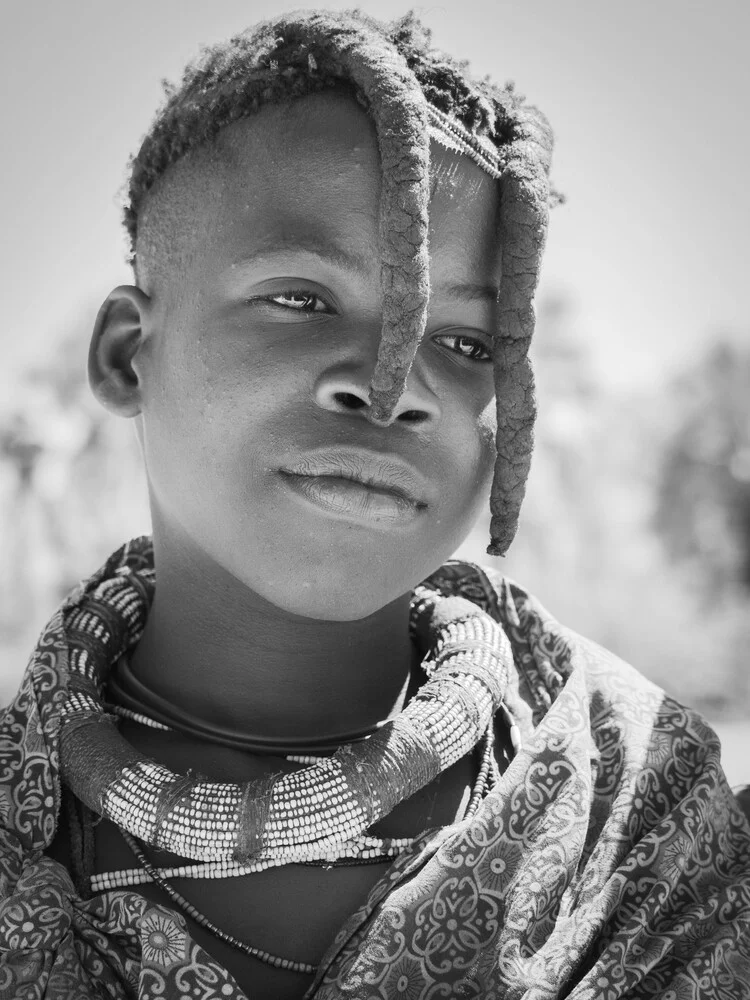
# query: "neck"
{"type": "Point", "coordinates": [214, 648]}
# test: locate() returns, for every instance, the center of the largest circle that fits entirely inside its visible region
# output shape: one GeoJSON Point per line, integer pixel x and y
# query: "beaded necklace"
{"type": "Point", "coordinates": [315, 809]}
{"type": "Point", "coordinates": [368, 850]}
{"type": "Point", "coordinates": [364, 850]}
{"type": "Point", "coordinates": [330, 802]}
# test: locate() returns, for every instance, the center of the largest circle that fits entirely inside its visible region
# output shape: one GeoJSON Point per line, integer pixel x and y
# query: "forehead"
{"type": "Point", "coordinates": [305, 173]}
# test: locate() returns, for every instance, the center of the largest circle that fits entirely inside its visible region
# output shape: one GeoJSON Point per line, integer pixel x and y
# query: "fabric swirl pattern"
{"type": "Point", "coordinates": [611, 861]}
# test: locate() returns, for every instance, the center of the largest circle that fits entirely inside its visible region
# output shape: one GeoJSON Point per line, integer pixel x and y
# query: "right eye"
{"type": "Point", "coordinates": [296, 301]}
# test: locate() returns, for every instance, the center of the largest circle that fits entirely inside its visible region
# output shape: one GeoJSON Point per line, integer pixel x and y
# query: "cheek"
{"type": "Point", "coordinates": [486, 448]}
{"type": "Point", "coordinates": [182, 420]}
{"type": "Point", "coordinates": [471, 463]}
{"type": "Point", "coordinates": [216, 406]}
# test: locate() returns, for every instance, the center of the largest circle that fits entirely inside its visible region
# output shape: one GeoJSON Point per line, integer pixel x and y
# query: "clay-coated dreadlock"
{"type": "Point", "coordinates": [410, 90]}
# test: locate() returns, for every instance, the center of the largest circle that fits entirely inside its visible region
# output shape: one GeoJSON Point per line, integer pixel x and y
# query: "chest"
{"type": "Point", "coordinates": [292, 911]}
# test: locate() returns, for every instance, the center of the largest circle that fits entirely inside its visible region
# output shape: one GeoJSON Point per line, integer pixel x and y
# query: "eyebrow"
{"type": "Point", "coordinates": [328, 251]}
{"type": "Point", "coordinates": [333, 253]}
{"type": "Point", "coordinates": [470, 291]}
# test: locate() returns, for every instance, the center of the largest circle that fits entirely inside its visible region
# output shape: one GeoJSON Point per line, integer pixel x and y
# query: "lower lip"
{"type": "Point", "coordinates": [354, 500]}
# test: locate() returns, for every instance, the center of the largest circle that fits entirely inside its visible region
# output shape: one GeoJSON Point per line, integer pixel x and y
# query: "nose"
{"type": "Point", "coordinates": [348, 392]}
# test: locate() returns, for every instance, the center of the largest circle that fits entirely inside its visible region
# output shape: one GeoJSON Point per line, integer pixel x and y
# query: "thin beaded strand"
{"type": "Point", "coordinates": [128, 878]}
{"type": "Point", "coordinates": [187, 907]}
{"type": "Point", "coordinates": [368, 850]}
{"type": "Point", "coordinates": [145, 720]}
{"type": "Point", "coordinates": [470, 144]}
{"type": "Point", "coordinates": [480, 786]}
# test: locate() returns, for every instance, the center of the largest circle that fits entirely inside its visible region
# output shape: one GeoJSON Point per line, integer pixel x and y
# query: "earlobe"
{"type": "Point", "coordinates": [117, 337]}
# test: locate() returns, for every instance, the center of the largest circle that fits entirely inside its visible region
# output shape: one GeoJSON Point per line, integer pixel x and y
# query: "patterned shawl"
{"type": "Point", "coordinates": [611, 861]}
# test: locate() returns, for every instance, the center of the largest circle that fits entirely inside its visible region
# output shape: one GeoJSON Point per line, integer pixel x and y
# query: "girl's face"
{"type": "Point", "coordinates": [260, 256]}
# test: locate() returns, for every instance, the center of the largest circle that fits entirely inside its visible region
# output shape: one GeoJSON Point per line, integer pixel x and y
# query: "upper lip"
{"type": "Point", "coordinates": [382, 472]}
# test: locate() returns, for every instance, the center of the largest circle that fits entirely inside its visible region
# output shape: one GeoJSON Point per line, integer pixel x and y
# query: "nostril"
{"type": "Point", "coordinates": [349, 400]}
{"type": "Point", "coordinates": [412, 416]}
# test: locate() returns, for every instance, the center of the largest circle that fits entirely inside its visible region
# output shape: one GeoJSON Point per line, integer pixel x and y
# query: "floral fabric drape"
{"type": "Point", "coordinates": [611, 861]}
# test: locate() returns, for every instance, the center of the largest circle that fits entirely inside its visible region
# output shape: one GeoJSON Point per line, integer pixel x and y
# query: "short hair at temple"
{"type": "Point", "coordinates": [412, 91]}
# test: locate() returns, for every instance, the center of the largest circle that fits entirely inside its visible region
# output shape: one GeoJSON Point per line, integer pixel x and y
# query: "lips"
{"type": "Point", "coordinates": [385, 473]}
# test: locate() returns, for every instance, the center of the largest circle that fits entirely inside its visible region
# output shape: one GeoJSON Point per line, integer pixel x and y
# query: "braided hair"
{"type": "Point", "coordinates": [412, 92]}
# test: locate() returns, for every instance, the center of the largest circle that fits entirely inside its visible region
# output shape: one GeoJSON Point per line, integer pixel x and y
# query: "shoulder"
{"type": "Point", "coordinates": [546, 652]}
{"type": "Point", "coordinates": [550, 658]}
{"type": "Point", "coordinates": [639, 739]}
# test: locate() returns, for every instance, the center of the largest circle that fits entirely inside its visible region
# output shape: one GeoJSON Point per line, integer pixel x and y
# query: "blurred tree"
{"type": "Point", "coordinates": [703, 504]}
{"type": "Point", "coordinates": [71, 490]}
{"type": "Point", "coordinates": [589, 544]}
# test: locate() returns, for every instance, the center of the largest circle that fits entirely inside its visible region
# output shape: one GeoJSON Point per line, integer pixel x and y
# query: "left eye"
{"type": "Point", "coordinates": [298, 302]}
{"type": "Point", "coordinates": [467, 347]}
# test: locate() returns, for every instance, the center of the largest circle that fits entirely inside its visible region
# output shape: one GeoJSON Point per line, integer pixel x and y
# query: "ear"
{"type": "Point", "coordinates": [117, 338]}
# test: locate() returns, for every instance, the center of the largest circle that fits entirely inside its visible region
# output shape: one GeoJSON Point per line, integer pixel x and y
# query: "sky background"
{"type": "Point", "coordinates": [648, 100]}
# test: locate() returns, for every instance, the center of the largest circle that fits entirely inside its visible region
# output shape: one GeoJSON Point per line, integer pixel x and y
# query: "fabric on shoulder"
{"type": "Point", "coordinates": [743, 797]}
{"type": "Point", "coordinates": [612, 859]}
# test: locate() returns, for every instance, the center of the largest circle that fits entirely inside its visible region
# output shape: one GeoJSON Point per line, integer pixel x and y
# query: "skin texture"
{"type": "Point", "coordinates": [272, 615]}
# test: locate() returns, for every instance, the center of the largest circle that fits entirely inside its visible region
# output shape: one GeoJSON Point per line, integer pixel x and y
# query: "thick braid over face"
{"type": "Point", "coordinates": [524, 213]}
{"type": "Point", "coordinates": [413, 93]}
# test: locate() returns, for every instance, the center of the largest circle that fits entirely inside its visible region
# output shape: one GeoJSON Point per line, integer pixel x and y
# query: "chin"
{"type": "Point", "coordinates": [334, 571]}
{"type": "Point", "coordinates": [332, 600]}
{"type": "Point", "coordinates": [342, 583]}
{"type": "Point", "coordinates": [348, 588]}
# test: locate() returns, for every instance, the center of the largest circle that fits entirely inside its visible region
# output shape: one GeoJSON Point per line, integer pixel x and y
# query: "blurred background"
{"type": "Point", "coordinates": [636, 526]}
